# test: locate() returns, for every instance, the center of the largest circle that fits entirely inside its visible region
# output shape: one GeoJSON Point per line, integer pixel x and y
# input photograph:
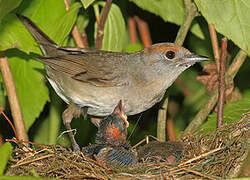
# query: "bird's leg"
{"type": "Point", "coordinates": [85, 112]}
{"type": "Point", "coordinates": [67, 116]}
{"type": "Point", "coordinates": [96, 121]}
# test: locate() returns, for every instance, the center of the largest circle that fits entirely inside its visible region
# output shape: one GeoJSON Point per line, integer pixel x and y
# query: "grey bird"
{"type": "Point", "coordinates": [96, 80]}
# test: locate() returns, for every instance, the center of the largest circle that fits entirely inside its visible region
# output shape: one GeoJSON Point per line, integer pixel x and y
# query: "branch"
{"type": "Point", "coordinates": [190, 13]}
{"type": "Point", "coordinates": [97, 14]}
{"type": "Point", "coordinates": [75, 33]}
{"type": "Point", "coordinates": [144, 32]}
{"type": "Point", "coordinates": [221, 100]}
{"type": "Point", "coordinates": [132, 30]}
{"type": "Point", "coordinates": [13, 99]}
{"type": "Point", "coordinates": [173, 109]}
{"type": "Point", "coordinates": [161, 121]}
{"type": "Point", "coordinates": [215, 45]}
{"type": "Point", "coordinates": [207, 108]}
{"type": "Point", "coordinates": [85, 39]}
{"type": "Point", "coordinates": [100, 28]}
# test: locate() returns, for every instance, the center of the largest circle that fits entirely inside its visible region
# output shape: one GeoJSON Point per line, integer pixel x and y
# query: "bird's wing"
{"type": "Point", "coordinates": [98, 68]}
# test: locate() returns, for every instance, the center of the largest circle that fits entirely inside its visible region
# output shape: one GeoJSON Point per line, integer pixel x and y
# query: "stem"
{"type": "Point", "coordinates": [237, 63]}
{"type": "Point", "coordinates": [97, 14]}
{"type": "Point", "coordinates": [75, 32]}
{"type": "Point", "coordinates": [77, 37]}
{"type": "Point", "coordinates": [170, 129]}
{"type": "Point", "coordinates": [132, 30]}
{"type": "Point", "coordinates": [191, 13]}
{"type": "Point", "coordinates": [54, 119]}
{"type": "Point", "coordinates": [85, 39]}
{"type": "Point", "coordinates": [215, 45]}
{"type": "Point", "coordinates": [161, 121]}
{"type": "Point", "coordinates": [13, 99]}
{"type": "Point", "coordinates": [221, 99]}
{"type": "Point", "coordinates": [144, 32]}
{"type": "Point", "coordinates": [207, 108]}
{"type": "Point", "coordinates": [100, 28]}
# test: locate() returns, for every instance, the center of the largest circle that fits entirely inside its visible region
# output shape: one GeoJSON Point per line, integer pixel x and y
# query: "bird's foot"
{"type": "Point", "coordinates": [76, 148]}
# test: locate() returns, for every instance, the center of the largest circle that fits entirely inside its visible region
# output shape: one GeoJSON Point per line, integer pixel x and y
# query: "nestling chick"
{"type": "Point", "coordinates": [111, 146]}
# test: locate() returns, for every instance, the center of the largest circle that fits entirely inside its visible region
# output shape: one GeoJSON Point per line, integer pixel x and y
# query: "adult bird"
{"type": "Point", "coordinates": [93, 81]}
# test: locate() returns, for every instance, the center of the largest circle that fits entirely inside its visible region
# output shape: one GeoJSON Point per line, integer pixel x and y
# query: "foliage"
{"type": "Point", "coordinates": [5, 152]}
{"type": "Point", "coordinates": [43, 118]}
{"type": "Point", "coordinates": [169, 11]}
{"type": "Point", "coordinates": [230, 18]}
{"type": "Point", "coordinates": [114, 25]}
{"type": "Point", "coordinates": [232, 113]}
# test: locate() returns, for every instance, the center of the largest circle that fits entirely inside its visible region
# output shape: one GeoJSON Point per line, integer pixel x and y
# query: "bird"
{"type": "Point", "coordinates": [155, 151]}
{"type": "Point", "coordinates": [111, 147]}
{"type": "Point", "coordinates": [93, 81]}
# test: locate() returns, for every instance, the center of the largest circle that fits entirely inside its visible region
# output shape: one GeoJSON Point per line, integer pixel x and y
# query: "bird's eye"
{"type": "Point", "coordinates": [170, 54]}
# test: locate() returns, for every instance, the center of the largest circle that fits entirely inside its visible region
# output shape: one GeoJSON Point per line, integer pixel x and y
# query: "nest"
{"type": "Point", "coordinates": [206, 156]}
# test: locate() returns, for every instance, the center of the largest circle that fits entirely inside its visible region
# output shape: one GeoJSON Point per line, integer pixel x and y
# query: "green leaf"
{"type": "Point", "coordinates": [87, 3]}
{"type": "Point", "coordinates": [82, 21]}
{"type": "Point", "coordinates": [30, 85]}
{"type": "Point", "coordinates": [24, 178]}
{"type": "Point", "coordinates": [133, 48]}
{"type": "Point", "coordinates": [64, 24]}
{"type": "Point", "coordinates": [13, 34]}
{"type": "Point", "coordinates": [169, 11]}
{"type": "Point", "coordinates": [2, 96]}
{"type": "Point", "coordinates": [232, 113]}
{"type": "Point", "coordinates": [114, 29]}
{"type": "Point", "coordinates": [5, 152]}
{"type": "Point", "coordinates": [47, 132]}
{"type": "Point", "coordinates": [230, 18]}
{"type": "Point", "coordinates": [6, 6]}
{"type": "Point", "coordinates": [57, 23]}
{"type": "Point", "coordinates": [195, 97]}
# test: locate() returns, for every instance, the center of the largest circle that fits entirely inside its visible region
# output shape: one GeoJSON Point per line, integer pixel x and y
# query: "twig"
{"type": "Point", "coordinates": [13, 99]}
{"type": "Point", "coordinates": [33, 160]}
{"type": "Point", "coordinates": [77, 37]}
{"type": "Point", "coordinates": [237, 63]}
{"type": "Point", "coordinates": [97, 14]}
{"type": "Point", "coordinates": [173, 108]}
{"type": "Point", "coordinates": [203, 113]}
{"type": "Point", "coordinates": [190, 13]}
{"type": "Point", "coordinates": [221, 88]}
{"type": "Point", "coordinates": [215, 45]}
{"type": "Point", "coordinates": [85, 39]}
{"type": "Point", "coordinates": [198, 173]}
{"type": "Point", "coordinates": [144, 31]}
{"type": "Point", "coordinates": [170, 129]}
{"type": "Point", "coordinates": [132, 30]}
{"type": "Point", "coordinates": [100, 28]}
{"type": "Point", "coordinates": [75, 33]}
{"type": "Point", "coordinates": [207, 108]}
{"type": "Point", "coordinates": [161, 122]}
{"type": "Point", "coordinates": [26, 142]}
{"type": "Point", "coordinates": [201, 156]}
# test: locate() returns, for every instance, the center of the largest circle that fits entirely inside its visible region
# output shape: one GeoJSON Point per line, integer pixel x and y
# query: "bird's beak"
{"type": "Point", "coordinates": [193, 58]}
{"type": "Point", "coordinates": [196, 58]}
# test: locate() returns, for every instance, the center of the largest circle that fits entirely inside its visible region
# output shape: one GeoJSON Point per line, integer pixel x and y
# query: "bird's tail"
{"type": "Point", "coordinates": [47, 45]}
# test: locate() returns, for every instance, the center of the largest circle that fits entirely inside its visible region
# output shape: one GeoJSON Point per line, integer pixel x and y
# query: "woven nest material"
{"type": "Point", "coordinates": [215, 156]}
